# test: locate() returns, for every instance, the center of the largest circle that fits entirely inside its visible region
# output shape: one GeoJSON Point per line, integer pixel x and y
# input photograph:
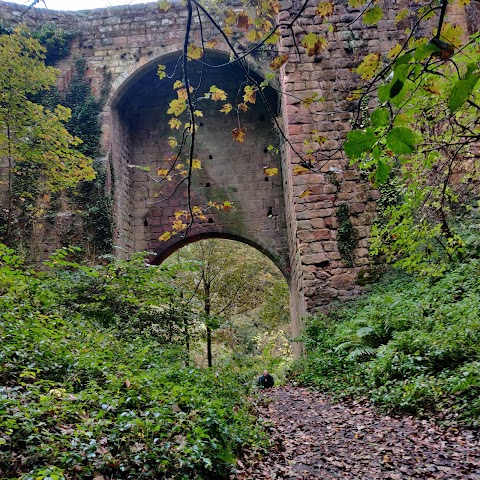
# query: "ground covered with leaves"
{"type": "Point", "coordinates": [314, 437]}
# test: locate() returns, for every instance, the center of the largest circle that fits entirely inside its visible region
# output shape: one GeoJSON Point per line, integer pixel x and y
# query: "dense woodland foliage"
{"type": "Point", "coordinates": [102, 368]}
{"type": "Point", "coordinates": [96, 380]}
{"type": "Point", "coordinates": [410, 346]}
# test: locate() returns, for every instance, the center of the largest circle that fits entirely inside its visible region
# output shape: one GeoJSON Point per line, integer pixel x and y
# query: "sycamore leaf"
{"type": "Point", "coordinates": [314, 44]}
{"type": "Point", "coordinates": [242, 107]}
{"type": "Point", "coordinates": [452, 34]}
{"type": "Point", "coordinates": [305, 193]}
{"type": "Point", "coordinates": [401, 140]}
{"type": "Point", "coordinates": [394, 51]}
{"type": "Point", "coordinates": [175, 123]}
{"type": "Point", "coordinates": [177, 106]}
{"type": "Point", "coordinates": [226, 109]}
{"type": "Point", "coordinates": [162, 172]}
{"type": "Point", "coordinates": [359, 141]}
{"type": "Point", "coordinates": [273, 39]}
{"type": "Point", "coordinates": [178, 225]}
{"type": "Point", "coordinates": [372, 16]}
{"type": "Point", "coordinates": [243, 21]}
{"type": "Point", "coordinates": [227, 206]}
{"type": "Point", "coordinates": [198, 113]}
{"type": "Point", "coordinates": [164, 6]}
{"type": "Point", "coordinates": [166, 236]}
{"type": "Point", "coordinates": [324, 9]}
{"type": "Point", "coordinates": [356, 3]}
{"type": "Point", "coordinates": [239, 134]}
{"type": "Point", "coordinates": [161, 72]}
{"type": "Point", "coordinates": [178, 84]}
{"type": "Point", "coordinates": [401, 15]}
{"type": "Point", "coordinates": [194, 52]}
{"type": "Point", "coordinates": [299, 170]}
{"type": "Point", "coordinates": [196, 164]}
{"type": "Point", "coordinates": [270, 171]}
{"type": "Point", "coordinates": [369, 66]}
{"type": "Point", "coordinates": [252, 35]}
{"type": "Point", "coordinates": [182, 93]}
{"type": "Point", "coordinates": [461, 91]}
{"type": "Point", "coordinates": [250, 94]}
{"type": "Point", "coordinates": [172, 141]}
{"type": "Point", "coordinates": [212, 43]}
{"type": "Point", "coordinates": [277, 62]}
{"type": "Point", "coordinates": [231, 18]}
{"type": "Point", "coordinates": [217, 94]}
{"type": "Point", "coordinates": [180, 213]}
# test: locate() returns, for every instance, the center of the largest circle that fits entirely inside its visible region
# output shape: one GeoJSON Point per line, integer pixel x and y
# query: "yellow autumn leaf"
{"type": "Point", "coordinates": [238, 134]}
{"type": "Point", "coordinates": [394, 51]}
{"type": "Point", "coordinates": [277, 62]}
{"type": "Point", "coordinates": [305, 193]}
{"type": "Point", "coordinates": [402, 14]}
{"type": "Point", "coordinates": [298, 170]}
{"type": "Point", "coordinates": [178, 225]}
{"type": "Point", "coordinates": [252, 35]}
{"type": "Point", "coordinates": [212, 44]}
{"type": "Point", "coordinates": [242, 107]}
{"type": "Point", "coordinates": [198, 113]}
{"type": "Point", "coordinates": [324, 9]}
{"type": "Point", "coordinates": [162, 172]}
{"type": "Point", "coordinates": [250, 94]}
{"type": "Point", "coordinates": [178, 84]}
{"type": "Point", "coordinates": [370, 66]}
{"type": "Point", "coordinates": [172, 141]}
{"type": "Point", "coordinates": [180, 213]}
{"type": "Point", "coordinates": [452, 34]}
{"type": "Point", "coordinates": [163, 6]}
{"type": "Point", "coordinates": [227, 206]}
{"type": "Point", "coordinates": [161, 72]}
{"type": "Point", "coordinates": [313, 43]}
{"type": "Point", "coordinates": [194, 52]}
{"type": "Point", "coordinates": [179, 166]}
{"type": "Point", "coordinates": [166, 236]}
{"type": "Point", "coordinates": [217, 94]}
{"type": "Point", "coordinates": [175, 123]}
{"type": "Point", "coordinates": [270, 171]}
{"type": "Point", "coordinates": [226, 109]}
{"type": "Point", "coordinates": [196, 164]}
{"type": "Point", "coordinates": [177, 106]}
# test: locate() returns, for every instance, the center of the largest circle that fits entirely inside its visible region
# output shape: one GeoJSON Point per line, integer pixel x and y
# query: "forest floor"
{"type": "Point", "coordinates": [316, 438]}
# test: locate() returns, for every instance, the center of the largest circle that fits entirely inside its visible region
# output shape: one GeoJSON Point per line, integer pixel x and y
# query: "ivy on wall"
{"type": "Point", "coordinates": [346, 235]}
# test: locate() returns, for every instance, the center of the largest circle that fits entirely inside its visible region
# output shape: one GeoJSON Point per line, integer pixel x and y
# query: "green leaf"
{"type": "Point", "coordinates": [401, 140]}
{"type": "Point", "coordinates": [382, 172]}
{"type": "Point", "coordinates": [380, 117]}
{"type": "Point", "coordinates": [461, 91]}
{"type": "Point", "coordinates": [359, 142]}
{"type": "Point", "coordinates": [425, 51]}
{"type": "Point", "coordinates": [372, 16]}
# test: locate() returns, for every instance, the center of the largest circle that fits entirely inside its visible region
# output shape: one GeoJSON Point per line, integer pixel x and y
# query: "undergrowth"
{"type": "Point", "coordinates": [410, 346]}
{"type": "Point", "coordinates": [84, 399]}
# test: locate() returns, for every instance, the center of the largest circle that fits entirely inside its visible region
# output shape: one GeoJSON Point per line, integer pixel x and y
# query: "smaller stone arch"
{"type": "Point", "coordinates": [168, 248]}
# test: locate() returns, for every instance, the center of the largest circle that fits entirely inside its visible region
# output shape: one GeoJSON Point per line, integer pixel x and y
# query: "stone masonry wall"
{"type": "Point", "coordinates": [130, 41]}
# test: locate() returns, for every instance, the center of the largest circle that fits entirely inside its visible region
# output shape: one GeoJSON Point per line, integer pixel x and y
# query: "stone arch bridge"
{"type": "Point", "coordinates": [298, 233]}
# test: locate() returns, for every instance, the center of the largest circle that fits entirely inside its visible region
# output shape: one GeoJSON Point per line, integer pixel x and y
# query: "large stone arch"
{"type": "Point", "coordinates": [138, 135]}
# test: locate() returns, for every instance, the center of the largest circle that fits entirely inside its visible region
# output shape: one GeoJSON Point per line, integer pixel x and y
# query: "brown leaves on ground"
{"type": "Point", "coordinates": [314, 438]}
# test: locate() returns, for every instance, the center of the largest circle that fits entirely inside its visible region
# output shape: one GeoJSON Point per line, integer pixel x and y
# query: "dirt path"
{"type": "Point", "coordinates": [317, 439]}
